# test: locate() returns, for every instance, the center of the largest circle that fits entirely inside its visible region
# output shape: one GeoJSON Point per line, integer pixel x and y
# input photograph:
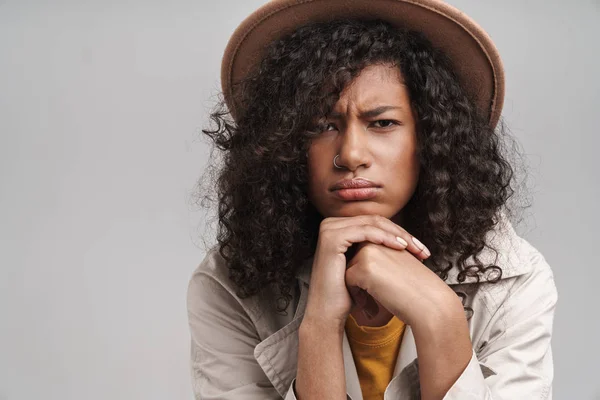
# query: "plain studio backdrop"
{"type": "Point", "coordinates": [101, 106]}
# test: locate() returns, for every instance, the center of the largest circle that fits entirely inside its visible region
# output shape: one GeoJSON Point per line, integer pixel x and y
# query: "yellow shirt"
{"type": "Point", "coordinates": [374, 350]}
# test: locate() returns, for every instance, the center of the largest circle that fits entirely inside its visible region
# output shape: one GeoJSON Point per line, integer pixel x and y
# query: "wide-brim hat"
{"type": "Point", "coordinates": [474, 56]}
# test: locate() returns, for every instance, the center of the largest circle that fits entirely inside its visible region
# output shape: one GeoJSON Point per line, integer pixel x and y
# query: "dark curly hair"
{"type": "Point", "coordinates": [267, 226]}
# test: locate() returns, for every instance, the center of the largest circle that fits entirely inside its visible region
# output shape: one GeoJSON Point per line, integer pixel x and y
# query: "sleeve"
{"type": "Point", "coordinates": [223, 339]}
{"type": "Point", "coordinates": [516, 362]}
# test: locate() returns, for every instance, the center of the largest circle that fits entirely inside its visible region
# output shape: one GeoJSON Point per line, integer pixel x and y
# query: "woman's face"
{"type": "Point", "coordinates": [372, 128]}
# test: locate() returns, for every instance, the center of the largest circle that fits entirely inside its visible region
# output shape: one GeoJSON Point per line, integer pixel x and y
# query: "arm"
{"type": "Point", "coordinates": [320, 363]}
{"type": "Point", "coordinates": [444, 348]}
{"type": "Point", "coordinates": [516, 361]}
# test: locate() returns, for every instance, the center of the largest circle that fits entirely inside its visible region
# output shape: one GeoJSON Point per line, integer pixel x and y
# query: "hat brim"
{"type": "Point", "coordinates": [474, 56]}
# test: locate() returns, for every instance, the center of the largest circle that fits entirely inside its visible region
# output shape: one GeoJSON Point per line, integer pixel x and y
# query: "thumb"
{"type": "Point", "coordinates": [355, 282]}
{"type": "Point", "coordinates": [354, 277]}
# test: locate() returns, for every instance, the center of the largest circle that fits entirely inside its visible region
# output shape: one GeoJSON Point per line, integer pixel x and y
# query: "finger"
{"type": "Point", "coordinates": [355, 279]}
{"type": "Point", "coordinates": [414, 245]}
{"type": "Point", "coordinates": [421, 251]}
{"type": "Point", "coordinates": [409, 242]}
{"type": "Point", "coordinates": [361, 233]}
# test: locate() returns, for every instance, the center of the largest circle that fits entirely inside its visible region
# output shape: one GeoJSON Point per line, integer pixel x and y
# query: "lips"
{"type": "Point", "coordinates": [356, 183]}
{"type": "Point", "coordinates": [356, 194]}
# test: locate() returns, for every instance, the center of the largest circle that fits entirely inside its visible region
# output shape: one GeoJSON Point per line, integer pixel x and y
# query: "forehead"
{"type": "Point", "coordinates": [376, 84]}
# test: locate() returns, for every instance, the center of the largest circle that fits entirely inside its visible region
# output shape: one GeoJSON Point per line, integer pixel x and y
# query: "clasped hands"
{"type": "Point", "coordinates": [389, 270]}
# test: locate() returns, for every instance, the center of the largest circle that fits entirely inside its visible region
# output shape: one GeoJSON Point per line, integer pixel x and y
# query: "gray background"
{"type": "Point", "coordinates": [101, 104]}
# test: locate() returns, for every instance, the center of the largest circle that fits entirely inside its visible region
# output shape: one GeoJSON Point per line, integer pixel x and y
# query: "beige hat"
{"type": "Point", "coordinates": [471, 50]}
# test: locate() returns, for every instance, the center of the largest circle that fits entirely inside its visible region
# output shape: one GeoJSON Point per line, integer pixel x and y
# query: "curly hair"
{"type": "Point", "coordinates": [267, 225]}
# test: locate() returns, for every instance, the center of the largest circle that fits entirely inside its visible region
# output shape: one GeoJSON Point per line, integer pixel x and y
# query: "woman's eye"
{"type": "Point", "coordinates": [328, 125]}
{"type": "Point", "coordinates": [386, 123]}
{"type": "Point", "coordinates": [383, 123]}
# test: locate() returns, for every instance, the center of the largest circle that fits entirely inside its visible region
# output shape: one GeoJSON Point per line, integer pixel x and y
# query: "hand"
{"type": "Point", "coordinates": [329, 301]}
{"type": "Point", "coordinates": [398, 281]}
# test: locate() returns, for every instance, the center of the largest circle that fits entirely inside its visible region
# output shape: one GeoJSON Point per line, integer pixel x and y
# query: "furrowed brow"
{"type": "Point", "coordinates": [369, 113]}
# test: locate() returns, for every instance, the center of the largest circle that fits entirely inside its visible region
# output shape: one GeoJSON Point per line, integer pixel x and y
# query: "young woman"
{"type": "Point", "coordinates": [364, 246]}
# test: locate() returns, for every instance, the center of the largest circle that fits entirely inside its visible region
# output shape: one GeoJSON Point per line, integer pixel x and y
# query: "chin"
{"type": "Point", "coordinates": [354, 208]}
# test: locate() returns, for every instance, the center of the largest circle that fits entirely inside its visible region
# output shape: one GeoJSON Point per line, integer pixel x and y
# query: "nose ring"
{"type": "Point", "coordinates": [337, 166]}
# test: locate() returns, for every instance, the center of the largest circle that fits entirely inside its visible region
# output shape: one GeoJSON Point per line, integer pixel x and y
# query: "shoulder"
{"type": "Point", "coordinates": [523, 268]}
{"type": "Point", "coordinates": [210, 287]}
{"type": "Point", "coordinates": [539, 272]}
{"type": "Point", "coordinates": [211, 292]}
{"type": "Point", "coordinates": [527, 292]}
{"type": "Point", "coordinates": [531, 280]}
{"type": "Point", "coordinates": [535, 288]}
{"type": "Point", "coordinates": [211, 274]}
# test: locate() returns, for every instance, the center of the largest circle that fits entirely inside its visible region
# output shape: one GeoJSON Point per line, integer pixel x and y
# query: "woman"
{"type": "Point", "coordinates": [365, 250]}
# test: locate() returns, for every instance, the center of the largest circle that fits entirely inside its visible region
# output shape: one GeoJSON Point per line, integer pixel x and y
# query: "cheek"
{"type": "Point", "coordinates": [315, 167]}
{"type": "Point", "coordinates": [413, 168]}
{"type": "Point", "coordinates": [407, 164]}
{"type": "Point", "coordinates": [313, 171]}
{"type": "Point", "coordinates": [409, 154]}
{"type": "Point", "coordinates": [403, 152]}
{"type": "Point", "coordinates": [412, 161]}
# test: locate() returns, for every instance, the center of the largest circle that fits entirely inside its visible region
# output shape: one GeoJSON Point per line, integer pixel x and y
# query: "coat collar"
{"type": "Point", "coordinates": [278, 353]}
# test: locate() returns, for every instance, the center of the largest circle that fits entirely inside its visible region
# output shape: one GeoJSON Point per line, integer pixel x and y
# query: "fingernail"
{"type": "Point", "coordinates": [418, 243]}
{"type": "Point", "coordinates": [402, 241]}
{"type": "Point", "coordinates": [421, 246]}
{"type": "Point", "coordinates": [427, 252]}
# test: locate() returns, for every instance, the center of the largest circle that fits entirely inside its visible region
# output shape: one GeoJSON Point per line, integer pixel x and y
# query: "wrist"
{"type": "Point", "coordinates": [441, 315]}
{"type": "Point", "coordinates": [316, 324]}
{"type": "Point", "coordinates": [320, 372]}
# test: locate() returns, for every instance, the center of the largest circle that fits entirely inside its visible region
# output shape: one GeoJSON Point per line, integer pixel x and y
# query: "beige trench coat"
{"type": "Point", "coordinates": [239, 350]}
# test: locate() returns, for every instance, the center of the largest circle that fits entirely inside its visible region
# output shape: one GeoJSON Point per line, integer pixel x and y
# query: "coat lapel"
{"type": "Point", "coordinates": [352, 382]}
{"type": "Point", "coordinates": [408, 351]}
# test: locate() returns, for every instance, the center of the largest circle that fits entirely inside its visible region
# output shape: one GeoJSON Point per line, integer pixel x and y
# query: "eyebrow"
{"type": "Point", "coordinates": [369, 113]}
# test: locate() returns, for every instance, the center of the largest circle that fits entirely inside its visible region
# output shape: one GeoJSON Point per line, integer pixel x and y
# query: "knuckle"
{"type": "Point", "coordinates": [364, 219]}
{"type": "Point", "coordinates": [324, 224]}
{"type": "Point", "coordinates": [368, 227]}
{"type": "Point", "coordinates": [324, 234]}
{"type": "Point", "coordinates": [368, 267]}
{"type": "Point", "coordinates": [368, 250]}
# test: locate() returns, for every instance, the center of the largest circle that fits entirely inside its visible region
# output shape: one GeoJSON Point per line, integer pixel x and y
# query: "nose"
{"type": "Point", "coordinates": [353, 148]}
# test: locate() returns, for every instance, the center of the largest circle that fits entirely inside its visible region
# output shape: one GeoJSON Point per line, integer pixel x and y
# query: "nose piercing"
{"type": "Point", "coordinates": [337, 166]}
